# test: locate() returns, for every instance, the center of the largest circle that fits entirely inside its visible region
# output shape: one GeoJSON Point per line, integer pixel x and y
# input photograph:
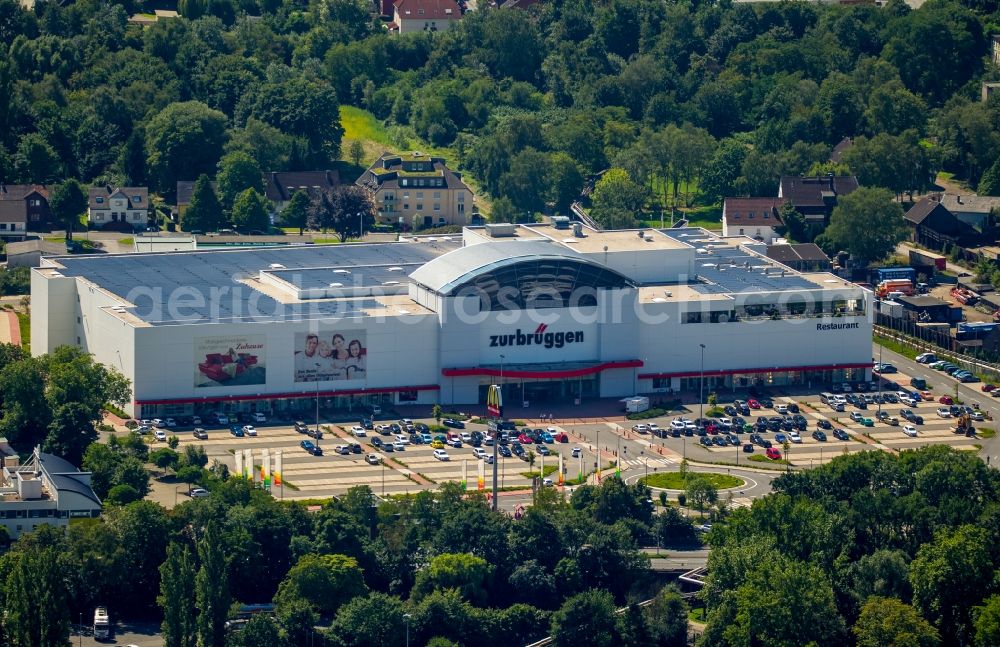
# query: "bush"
{"type": "Point", "coordinates": [682, 499]}
{"type": "Point", "coordinates": [131, 424]}
{"type": "Point", "coordinates": [122, 495]}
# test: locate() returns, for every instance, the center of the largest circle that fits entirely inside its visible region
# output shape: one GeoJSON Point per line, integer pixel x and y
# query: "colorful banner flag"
{"type": "Point", "coordinates": [265, 468]}
{"type": "Point", "coordinates": [277, 467]}
{"type": "Point", "coordinates": [238, 455]}
{"type": "Point", "coordinates": [248, 471]}
{"type": "Point", "coordinates": [481, 481]}
{"type": "Point", "coordinates": [465, 474]}
{"type": "Point", "coordinates": [560, 469]}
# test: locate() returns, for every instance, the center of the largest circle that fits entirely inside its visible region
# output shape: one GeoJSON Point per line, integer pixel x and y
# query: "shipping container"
{"type": "Point", "coordinates": [893, 274]}
{"type": "Point", "coordinates": [928, 259]}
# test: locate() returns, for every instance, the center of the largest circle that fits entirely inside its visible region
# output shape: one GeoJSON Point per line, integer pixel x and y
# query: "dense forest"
{"type": "Point", "coordinates": [872, 549]}
{"type": "Point", "coordinates": [693, 100]}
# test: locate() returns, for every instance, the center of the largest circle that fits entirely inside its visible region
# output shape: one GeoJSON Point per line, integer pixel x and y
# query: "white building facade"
{"type": "Point", "coordinates": [555, 315]}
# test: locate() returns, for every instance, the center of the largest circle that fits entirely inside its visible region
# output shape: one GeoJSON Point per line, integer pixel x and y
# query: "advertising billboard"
{"type": "Point", "coordinates": [229, 361]}
{"type": "Point", "coordinates": [330, 355]}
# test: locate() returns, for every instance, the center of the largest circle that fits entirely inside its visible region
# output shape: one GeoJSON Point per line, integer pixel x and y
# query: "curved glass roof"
{"type": "Point", "coordinates": [518, 276]}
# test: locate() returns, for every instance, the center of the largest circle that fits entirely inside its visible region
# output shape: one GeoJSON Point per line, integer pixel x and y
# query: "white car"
{"type": "Point", "coordinates": [171, 422]}
{"type": "Point", "coordinates": [943, 412]}
{"type": "Point", "coordinates": [223, 420]}
{"type": "Point", "coordinates": [653, 428]}
{"type": "Point", "coordinates": [689, 424]}
{"type": "Point", "coordinates": [677, 424]}
{"type": "Point", "coordinates": [160, 434]}
{"type": "Point", "coordinates": [640, 429]}
{"type": "Point", "coordinates": [466, 437]}
{"type": "Point", "coordinates": [576, 452]}
{"type": "Point", "coordinates": [159, 422]}
{"type": "Point", "coordinates": [398, 446]}
{"type": "Point", "coordinates": [926, 358]}
{"type": "Point", "coordinates": [405, 421]}
{"type": "Point", "coordinates": [441, 455]}
{"type": "Point", "coordinates": [479, 452]}
{"type": "Point", "coordinates": [794, 437]}
{"type": "Point", "coordinates": [358, 431]}
{"type": "Point", "coordinates": [977, 416]}
{"type": "Point", "coordinates": [856, 416]}
{"type": "Point", "coordinates": [782, 409]}
{"type": "Point", "coordinates": [259, 417]}
{"type": "Point", "coordinates": [197, 493]}
{"type": "Point", "coordinates": [910, 431]}
{"type": "Point", "coordinates": [250, 430]}
{"type": "Point", "coordinates": [402, 439]}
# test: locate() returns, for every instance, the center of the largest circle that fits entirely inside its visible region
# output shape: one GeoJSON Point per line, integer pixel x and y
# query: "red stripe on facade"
{"type": "Point", "coordinates": [275, 396]}
{"type": "Point", "coordinates": [739, 371]}
{"type": "Point", "coordinates": [513, 372]}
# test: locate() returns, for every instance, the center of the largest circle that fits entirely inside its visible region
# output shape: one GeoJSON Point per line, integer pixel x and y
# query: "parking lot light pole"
{"type": "Point", "coordinates": [496, 441]}
{"type": "Point", "coordinates": [406, 617]}
{"type": "Point", "coordinates": [879, 379]}
{"type": "Point", "coordinates": [701, 385]}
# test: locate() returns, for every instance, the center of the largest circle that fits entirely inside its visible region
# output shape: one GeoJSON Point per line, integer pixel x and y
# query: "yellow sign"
{"type": "Point", "coordinates": [494, 401]}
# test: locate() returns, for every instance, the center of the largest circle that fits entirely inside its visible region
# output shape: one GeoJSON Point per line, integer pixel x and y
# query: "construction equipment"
{"type": "Point", "coordinates": [963, 425]}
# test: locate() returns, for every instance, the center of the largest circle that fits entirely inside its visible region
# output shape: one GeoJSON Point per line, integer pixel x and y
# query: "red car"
{"type": "Point", "coordinates": [525, 439]}
{"type": "Point", "coordinates": [946, 399]}
{"type": "Point", "coordinates": [561, 437]}
{"type": "Point", "coordinates": [988, 387]}
{"type": "Point", "coordinates": [753, 404]}
{"type": "Point", "coordinates": [773, 454]}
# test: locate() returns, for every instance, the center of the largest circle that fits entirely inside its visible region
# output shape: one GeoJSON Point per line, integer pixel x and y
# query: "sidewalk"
{"type": "Point", "coordinates": [10, 330]}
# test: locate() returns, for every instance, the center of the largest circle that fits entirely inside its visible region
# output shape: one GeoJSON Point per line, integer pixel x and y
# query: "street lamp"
{"type": "Point", "coordinates": [701, 385]}
{"type": "Point", "coordinates": [406, 617]}
{"type": "Point", "coordinates": [880, 378]}
{"type": "Point", "coordinates": [496, 440]}
{"type": "Point", "coordinates": [361, 226]}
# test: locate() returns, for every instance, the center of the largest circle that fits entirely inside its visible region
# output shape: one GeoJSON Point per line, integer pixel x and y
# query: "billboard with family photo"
{"type": "Point", "coordinates": [229, 361]}
{"type": "Point", "coordinates": [330, 355]}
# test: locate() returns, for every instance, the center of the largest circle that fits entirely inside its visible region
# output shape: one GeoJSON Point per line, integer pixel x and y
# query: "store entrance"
{"type": "Point", "coordinates": [532, 391]}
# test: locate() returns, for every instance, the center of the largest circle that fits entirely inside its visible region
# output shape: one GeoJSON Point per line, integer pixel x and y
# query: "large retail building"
{"type": "Point", "coordinates": [555, 314]}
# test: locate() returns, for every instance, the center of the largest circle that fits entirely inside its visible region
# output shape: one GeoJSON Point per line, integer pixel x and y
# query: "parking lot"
{"type": "Point", "coordinates": [398, 472]}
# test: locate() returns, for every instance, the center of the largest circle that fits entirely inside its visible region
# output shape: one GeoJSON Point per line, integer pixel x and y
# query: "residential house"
{"type": "Point", "coordinates": [842, 147]}
{"type": "Point", "coordinates": [24, 207]}
{"type": "Point", "coordinates": [973, 210]}
{"type": "Point", "coordinates": [279, 187]}
{"type": "Point", "coordinates": [424, 15]}
{"type": "Point", "coordinates": [815, 197]}
{"type": "Point", "coordinates": [45, 490]}
{"type": "Point", "coordinates": [936, 227]}
{"type": "Point", "coordinates": [124, 208]}
{"type": "Point", "coordinates": [803, 257]}
{"type": "Point", "coordinates": [753, 217]}
{"type": "Point", "coordinates": [415, 188]}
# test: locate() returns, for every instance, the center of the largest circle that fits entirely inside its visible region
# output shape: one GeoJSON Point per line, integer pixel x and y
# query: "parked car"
{"type": "Point", "coordinates": [311, 448]}
{"type": "Point", "coordinates": [197, 492]}
{"type": "Point", "coordinates": [250, 430]}
{"type": "Point", "coordinates": [840, 434]}
{"type": "Point", "coordinates": [301, 427]}
{"type": "Point", "coordinates": [236, 431]}
{"type": "Point", "coordinates": [773, 454]}
{"type": "Point", "coordinates": [441, 455]}
{"type": "Point", "coordinates": [373, 459]}
{"type": "Point", "coordinates": [747, 448]}
{"type": "Point", "coordinates": [824, 424]}
{"type": "Point", "coordinates": [946, 399]}
{"type": "Point", "coordinates": [795, 437]}
{"type": "Point", "coordinates": [819, 435]}
{"type": "Point", "coordinates": [944, 412]}
{"type": "Point", "coordinates": [640, 429]}
{"type": "Point", "coordinates": [358, 431]}
{"type": "Point", "coordinates": [910, 431]}
{"type": "Point", "coordinates": [454, 424]}
{"type": "Point", "coordinates": [259, 417]}
{"type": "Point", "coordinates": [200, 433]}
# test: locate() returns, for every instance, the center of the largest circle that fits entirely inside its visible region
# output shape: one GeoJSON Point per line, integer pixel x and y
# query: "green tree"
{"type": "Point", "coordinates": [462, 571]}
{"type": "Point", "coordinates": [989, 183]}
{"type": "Point", "coordinates": [132, 160]}
{"type": "Point", "coordinates": [237, 173]}
{"type": "Point", "coordinates": [564, 181]}
{"type": "Point", "coordinates": [504, 210]}
{"type": "Point", "coordinates": [296, 212]}
{"type": "Point", "coordinates": [260, 631]}
{"type": "Point", "coordinates": [987, 622]}
{"type": "Point", "coordinates": [36, 609]}
{"type": "Point", "coordinates": [668, 615]}
{"type": "Point", "coordinates": [26, 413]}
{"type": "Point", "coordinates": [250, 212]}
{"type": "Point", "coordinates": [164, 458]}
{"type": "Point", "coordinates": [722, 176]}
{"type": "Point", "coordinates": [887, 621]}
{"type": "Point", "coordinates": [70, 432]}
{"type": "Point", "coordinates": [876, 213]}
{"type": "Point", "coordinates": [700, 492]}
{"type": "Point", "coordinates": [326, 582]}
{"type": "Point", "coordinates": [372, 621]}
{"type": "Point", "coordinates": [617, 200]}
{"type": "Point", "coordinates": [950, 575]}
{"type": "Point", "coordinates": [586, 618]}
{"type": "Point", "coordinates": [344, 210]}
{"type": "Point", "coordinates": [122, 494]}
{"type": "Point", "coordinates": [212, 589]}
{"type": "Point", "coordinates": [183, 140]}
{"type": "Point", "coordinates": [35, 161]}
{"type": "Point", "coordinates": [436, 413]}
{"type": "Point", "coordinates": [177, 594]}
{"type": "Point", "coordinates": [68, 202]}
{"type": "Point", "coordinates": [194, 455]}
{"type": "Point", "coordinates": [357, 152]}
{"type": "Point", "coordinates": [204, 213]}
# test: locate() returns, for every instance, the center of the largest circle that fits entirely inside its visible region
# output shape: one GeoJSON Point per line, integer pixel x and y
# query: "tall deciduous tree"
{"type": "Point", "coordinates": [68, 201]}
{"type": "Point", "coordinates": [326, 582]}
{"type": "Point", "coordinates": [617, 200]}
{"type": "Point", "coordinates": [237, 173]}
{"type": "Point", "coordinates": [250, 212]}
{"type": "Point", "coordinates": [586, 619]}
{"type": "Point", "coordinates": [296, 212]}
{"type": "Point", "coordinates": [344, 210]}
{"type": "Point", "coordinates": [874, 212]}
{"type": "Point", "coordinates": [212, 589]}
{"type": "Point", "coordinates": [204, 213]}
{"type": "Point", "coordinates": [177, 576]}
{"type": "Point", "coordinates": [183, 140]}
{"type": "Point", "coordinates": [36, 613]}
{"type": "Point", "coordinates": [35, 161]}
{"type": "Point", "coordinates": [887, 621]}
{"type": "Point", "coordinates": [462, 571]}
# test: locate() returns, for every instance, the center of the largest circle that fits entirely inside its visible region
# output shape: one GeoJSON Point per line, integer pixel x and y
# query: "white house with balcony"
{"type": "Point", "coordinates": [121, 208]}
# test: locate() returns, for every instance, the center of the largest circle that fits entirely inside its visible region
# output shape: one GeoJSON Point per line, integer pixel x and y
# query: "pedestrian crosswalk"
{"type": "Point", "coordinates": [664, 461]}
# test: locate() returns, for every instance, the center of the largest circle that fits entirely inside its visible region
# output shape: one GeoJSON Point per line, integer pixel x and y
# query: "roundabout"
{"type": "Point", "coordinates": [676, 480]}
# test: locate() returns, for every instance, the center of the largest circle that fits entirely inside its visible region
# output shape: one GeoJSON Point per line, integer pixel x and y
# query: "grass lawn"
{"type": "Point", "coordinates": [759, 458]}
{"type": "Point", "coordinates": [698, 615]}
{"type": "Point", "coordinates": [127, 241]}
{"type": "Point", "coordinates": [675, 481]}
{"type": "Point", "coordinates": [545, 472]}
{"type": "Point", "coordinates": [986, 432]}
{"type": "Point", "coordinates": [24, 324]}
{"type": "Point", "coordinates": [361, 124]}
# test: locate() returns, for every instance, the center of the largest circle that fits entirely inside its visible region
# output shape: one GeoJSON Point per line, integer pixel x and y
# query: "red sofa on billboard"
{"type": "Point", "coordinates": [223, 368]}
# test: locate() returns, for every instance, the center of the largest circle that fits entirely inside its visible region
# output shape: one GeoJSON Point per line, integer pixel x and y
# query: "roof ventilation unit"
{"type": "Point", "coordinates": [578, 229]}
{"type": "Point", "coordinates": [500, 229]}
